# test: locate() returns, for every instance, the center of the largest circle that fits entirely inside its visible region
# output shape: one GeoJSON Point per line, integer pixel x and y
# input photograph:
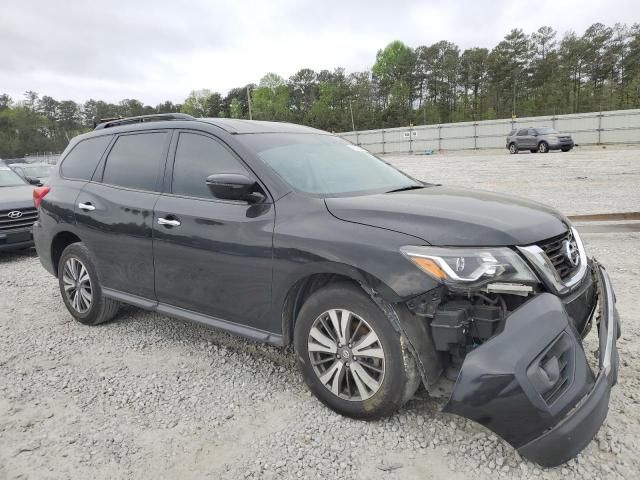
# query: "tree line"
{"type": "Point", "coordinates": [532, 74]}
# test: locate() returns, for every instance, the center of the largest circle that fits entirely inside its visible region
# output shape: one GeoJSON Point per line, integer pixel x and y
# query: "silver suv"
{"type": "Point", "coordinates": [538, 139]}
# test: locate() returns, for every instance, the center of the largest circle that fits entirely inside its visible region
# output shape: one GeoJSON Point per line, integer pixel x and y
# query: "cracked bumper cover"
{"type": "Point", "coordinates": [500, 384]}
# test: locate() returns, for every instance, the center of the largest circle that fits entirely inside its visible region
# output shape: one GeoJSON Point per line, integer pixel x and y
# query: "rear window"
{"type": "Point", "coordinates": [135, 161]}
{"type": "Point", "coordinates": [524, 132]}
{"type": "Point", "coordinates": [82, 161]}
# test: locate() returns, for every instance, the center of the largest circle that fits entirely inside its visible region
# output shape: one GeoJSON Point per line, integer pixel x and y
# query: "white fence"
{"type": "Point", "coordinates": [51, 158]}
{"type": "Point", "coordinates": [619, 126]}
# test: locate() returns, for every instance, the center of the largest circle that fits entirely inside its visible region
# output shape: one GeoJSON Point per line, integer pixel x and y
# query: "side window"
{"type": "Point", "coordinates": [135, 161]}
{"type": "Point", "coordinates": [197, 157]}
{"type": "Point", "coordinates": [81, 162]}
{"type": "Point", "coordinates": [532, 132]}
{"type": "Point", "coordinates": [522, 133]}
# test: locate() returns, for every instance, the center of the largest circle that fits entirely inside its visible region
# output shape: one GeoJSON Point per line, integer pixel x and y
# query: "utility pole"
{"type": "Point", "coordinates": [249, 102]}
{"type": "Point", "coordinates": [353, 125]}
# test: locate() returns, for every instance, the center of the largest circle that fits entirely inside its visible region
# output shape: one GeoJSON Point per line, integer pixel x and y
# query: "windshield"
{"type": "Point", "coordinates": [9, 178]}
{"type": "Point", "coordinates": [39, 171]}
{"type": "Point", "coordinates": [546, 131]}
{"type": "Point", "coordinates": [324, 164]}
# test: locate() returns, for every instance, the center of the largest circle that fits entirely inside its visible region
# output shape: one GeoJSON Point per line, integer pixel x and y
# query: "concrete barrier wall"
{"type": "Point", "coordinates": [619, 126]}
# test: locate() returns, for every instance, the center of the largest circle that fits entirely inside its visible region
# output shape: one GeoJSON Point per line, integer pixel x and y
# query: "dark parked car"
{"type": "Point", "coordinates": [34, 173]}
{"type": "Point", "coordinates": [287, 234]}
{"type": "Point", "coordinates": [17, 212]}
{"type": "Point", "coordinates": [538, 139]}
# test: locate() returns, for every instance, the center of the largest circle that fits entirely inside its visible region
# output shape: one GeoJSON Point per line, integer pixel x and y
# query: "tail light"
{"type": "Point", "coordinates": [38, 194]}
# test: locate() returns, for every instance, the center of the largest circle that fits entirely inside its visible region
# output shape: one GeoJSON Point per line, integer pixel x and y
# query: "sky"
{"type": "Point", "coordinates": [162, 49]}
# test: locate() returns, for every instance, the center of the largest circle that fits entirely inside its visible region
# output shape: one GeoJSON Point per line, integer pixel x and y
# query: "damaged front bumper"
{"type": "Point", "coordinates": [532, 385]}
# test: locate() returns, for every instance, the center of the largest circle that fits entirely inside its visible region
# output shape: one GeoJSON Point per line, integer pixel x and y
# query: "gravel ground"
{"type": "Point", "coordinates": [148, 396]}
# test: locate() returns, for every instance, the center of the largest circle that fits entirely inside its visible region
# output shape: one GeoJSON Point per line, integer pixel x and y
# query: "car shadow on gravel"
{"type": "Point", "coordinates": [9, 257]}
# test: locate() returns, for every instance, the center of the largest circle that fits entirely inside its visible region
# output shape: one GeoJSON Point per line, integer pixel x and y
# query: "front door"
{"type": "Point", "coordinates": [212, 256]}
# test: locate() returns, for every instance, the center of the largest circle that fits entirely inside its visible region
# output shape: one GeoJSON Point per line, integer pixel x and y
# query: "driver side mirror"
{"type": "Point", "coordinates": [234, 186]}
{"type": "Point", "coordinates": [34, 181]}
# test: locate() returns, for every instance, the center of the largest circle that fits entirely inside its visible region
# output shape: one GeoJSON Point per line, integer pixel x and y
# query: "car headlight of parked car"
{"type": "Point", "coordinates": [470, 267]}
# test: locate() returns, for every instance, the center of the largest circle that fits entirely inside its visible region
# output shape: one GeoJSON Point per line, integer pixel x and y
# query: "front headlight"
{"type": "Point", "coordinates": [466, 267]}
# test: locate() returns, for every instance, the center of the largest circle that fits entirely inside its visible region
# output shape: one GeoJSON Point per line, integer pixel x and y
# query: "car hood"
{"type": "Point", "coordinates": [453, 216]}
{"type": "Point", "coordinates": [20, 196]}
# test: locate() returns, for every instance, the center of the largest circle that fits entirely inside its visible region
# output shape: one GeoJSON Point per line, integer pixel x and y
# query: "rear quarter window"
{"type": "Point", "coordinates": [81, 162]}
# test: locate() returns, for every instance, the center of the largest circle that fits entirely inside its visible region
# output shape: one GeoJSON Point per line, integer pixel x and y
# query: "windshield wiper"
{"type": "Point", "coordinates": [404, 189]}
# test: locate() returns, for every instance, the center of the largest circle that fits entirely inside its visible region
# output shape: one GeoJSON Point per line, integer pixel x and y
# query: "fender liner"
{"type": "Point", "coordinates": [415, 333]}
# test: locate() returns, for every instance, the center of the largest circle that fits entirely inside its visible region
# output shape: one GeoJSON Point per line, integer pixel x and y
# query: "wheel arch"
{"type": "Point", "coordinates": [60, 241]}
{"type": "Point", "coordinates": [298, 292]}
{"type": "Point", "coordinates": [413, 329]}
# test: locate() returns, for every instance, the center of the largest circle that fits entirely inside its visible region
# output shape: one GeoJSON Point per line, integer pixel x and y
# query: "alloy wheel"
{"type": "Point", "coordinates": [542, 148]}
{"type": "Point", "coordinates": [77, 285]}
{"type": "Point", "coordinates": [346, 355]}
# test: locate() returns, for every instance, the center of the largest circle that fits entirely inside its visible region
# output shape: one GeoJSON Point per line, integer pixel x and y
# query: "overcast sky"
{"type": "Point", "coordinates": [162, 49]}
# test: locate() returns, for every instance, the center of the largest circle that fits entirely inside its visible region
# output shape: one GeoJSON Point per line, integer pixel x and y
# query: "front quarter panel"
{"type": "Point", "coordinates": [309, 240]}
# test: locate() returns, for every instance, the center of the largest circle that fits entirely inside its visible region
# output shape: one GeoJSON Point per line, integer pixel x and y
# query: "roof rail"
{"type": "Point", "coordinates": [114, 122]}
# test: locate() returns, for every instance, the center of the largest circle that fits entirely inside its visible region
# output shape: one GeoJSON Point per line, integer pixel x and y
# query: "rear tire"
{"type": "Point", "coordinates": [367, 376]}
{"type": "Point", "coordinates": [80, 287]}
{"type": "Point", "coordinates": [513, 148]}
{"type": "Point", "coordinates": [543, 147]}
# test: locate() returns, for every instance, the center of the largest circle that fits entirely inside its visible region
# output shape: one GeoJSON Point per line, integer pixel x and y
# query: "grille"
{"type": "Point", "coordinates": [556, 251]}
{"type": "Point", "coordinates": [26, 220]}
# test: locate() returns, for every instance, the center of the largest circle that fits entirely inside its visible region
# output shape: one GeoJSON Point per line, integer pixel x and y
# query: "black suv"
{"type": "Point", "coordinates": [287, 234]}
{"type": "Point", "coordinates": [538, 139]}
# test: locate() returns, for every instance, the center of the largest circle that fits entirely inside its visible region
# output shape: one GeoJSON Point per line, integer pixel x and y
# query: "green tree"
{"type": "Point", "coordinates": [196, 103]}
{"type": "Point", "coordinates": [394, 63]}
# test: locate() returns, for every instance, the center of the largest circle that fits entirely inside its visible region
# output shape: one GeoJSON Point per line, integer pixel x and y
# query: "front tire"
{"type": "Point", "coordinates": [80, 287]}
{"type": "Point", "coordinates": [513, 148]}
{"type": "Point", "coordinates": [351, 356]}
{"type": "Point", "coordinates": [543, 147]}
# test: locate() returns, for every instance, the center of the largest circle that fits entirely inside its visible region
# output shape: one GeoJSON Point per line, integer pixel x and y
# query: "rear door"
{"type": "Point", "coordinates": [524, 140]}
{"type": "Point", "coordinates": [215, 256]}
{"type": "Point", "coordinates": [114, 212]}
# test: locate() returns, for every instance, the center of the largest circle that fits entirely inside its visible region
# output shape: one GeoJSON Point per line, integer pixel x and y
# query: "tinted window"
{"type": "Point", "coordinates": [324, 164]}
{"type": "Point", "coordinates": [83, 159]}
{"type": "Point", "coordinates": [197, 157]}
{"type": "Point", "coordinates": [135, 160]}
{"type": "Point", "coordinates": [523, 132]}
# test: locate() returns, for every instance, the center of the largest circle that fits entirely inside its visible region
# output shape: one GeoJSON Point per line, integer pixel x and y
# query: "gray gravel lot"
{"type": "Point", "coordinates": [148, 396]}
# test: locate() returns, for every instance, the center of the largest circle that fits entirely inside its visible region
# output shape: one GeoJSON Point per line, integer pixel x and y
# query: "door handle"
{"type": "Point", "coordinates": [87, 207]}
{"type": "Point", "coordinates": [168, 222]}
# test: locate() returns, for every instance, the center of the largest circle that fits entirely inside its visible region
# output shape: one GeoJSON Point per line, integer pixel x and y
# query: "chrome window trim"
{"type": "Point", "coordinates": [548, 273]}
